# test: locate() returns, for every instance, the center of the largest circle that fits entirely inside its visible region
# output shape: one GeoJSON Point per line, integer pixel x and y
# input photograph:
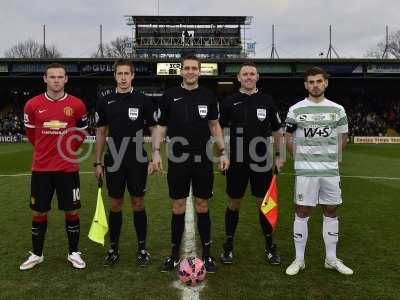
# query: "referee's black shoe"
{"type": "Point", "coordinates": [272, 256]}
{"type": "Point", "coordinates": [227, 257]}
{"type": "Point", "coordinates": [112, 258]}
{"type": "Point", "coordinates": [143, 258]}
{"type": "Point", "coordinates": [170, 263]}
{"type": "Point", "coordinates": [209, 264]}
{"type": "Point", "coordinates": [227, 254]}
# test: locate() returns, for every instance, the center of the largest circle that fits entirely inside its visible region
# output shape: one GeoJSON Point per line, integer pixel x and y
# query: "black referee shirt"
{"type": "Point", "coordinates": [186, 114]}
{"type": "Point", "coordinates": [249, 116]}
{"type": "Point", "coordinates": [125, 114]}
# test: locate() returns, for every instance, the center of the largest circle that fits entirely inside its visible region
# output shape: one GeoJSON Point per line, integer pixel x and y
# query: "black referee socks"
{"type": "Point", "coordinates": [140, 222]}
{"type": "Point", "coordinates": [267, 230]}
{"type": "Point", "coordinates": [177, 228]}
{"type": "Point", "coordinates": [204, 227]}
{"type": "Point", "coordinates": [115, 223]}
{"type": "Point", "coordinates": [231, 221]}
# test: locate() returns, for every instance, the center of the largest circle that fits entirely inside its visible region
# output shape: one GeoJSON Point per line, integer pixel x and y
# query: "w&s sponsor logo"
{"type": "Point", "coordinates": [318, 131]}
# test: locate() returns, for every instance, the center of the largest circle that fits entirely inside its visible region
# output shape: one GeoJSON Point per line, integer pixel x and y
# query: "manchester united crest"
{"type": "Point", "coordinates": [68, 111]}
{"type": "Point", "coordinates": [133, 113]}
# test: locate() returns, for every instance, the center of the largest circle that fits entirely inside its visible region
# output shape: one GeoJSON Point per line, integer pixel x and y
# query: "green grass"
{"type": "Point", "coordinates": [369, 240]}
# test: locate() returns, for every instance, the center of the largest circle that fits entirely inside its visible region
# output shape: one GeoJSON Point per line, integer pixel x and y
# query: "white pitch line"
{"type": "Point", "coordinates": [189, 249]}
{"type": "Point", "coordinates": [29, 174]}
{"type": "Point", "coordinates": [189, 236]}
{"type": "Point", "coordinates": [15, 175]}
{"type": "Point", "coordinates": [356, 176]}
{"type": "Point", "coordinates": [283, 173]}
{"type": "Point", "coordinates": [371, 177]}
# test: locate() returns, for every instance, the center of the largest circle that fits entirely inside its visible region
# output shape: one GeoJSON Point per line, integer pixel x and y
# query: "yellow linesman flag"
{"type": "Point", "coordinates": [269, 206]}
{"type": "Point", "coordinates": [99, 226]}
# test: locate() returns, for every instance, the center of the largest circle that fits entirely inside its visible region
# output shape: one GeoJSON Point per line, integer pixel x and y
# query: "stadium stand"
{"type": "Point", "coordinates": [11, 124]}
{"type": "Point", "coordinates": [368, 116]}
{"type": "Point", "coordinates": [172, 36]}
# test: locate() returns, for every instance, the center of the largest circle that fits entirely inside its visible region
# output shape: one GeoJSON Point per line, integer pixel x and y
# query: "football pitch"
{"type": "Point", "coordinates": [369, 239]}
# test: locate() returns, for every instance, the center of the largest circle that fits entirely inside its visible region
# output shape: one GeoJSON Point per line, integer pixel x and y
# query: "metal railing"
{"type": "Point", "coordinates": [194, 42]}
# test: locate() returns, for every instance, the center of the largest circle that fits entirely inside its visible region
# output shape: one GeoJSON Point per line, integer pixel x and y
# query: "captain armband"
{"type": "Point", "coordinates": [291, 127]}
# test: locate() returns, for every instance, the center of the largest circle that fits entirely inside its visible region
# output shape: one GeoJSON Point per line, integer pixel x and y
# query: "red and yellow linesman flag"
{"type": "Point", "coordinates": [99, 226]}
{"type": "Point", "coordinates": [269, 206]}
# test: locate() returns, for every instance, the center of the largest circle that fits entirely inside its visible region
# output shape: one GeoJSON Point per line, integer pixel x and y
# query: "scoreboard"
{"type": "Point", "coordinates": [166, 69]}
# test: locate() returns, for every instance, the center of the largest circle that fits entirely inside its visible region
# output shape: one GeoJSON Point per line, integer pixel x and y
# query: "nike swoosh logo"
{"type": "Point", "coordinates": [41, 111]}
{"type": "Point", "coordinates": [112, 101]}
{"type": "Point", "coordinates": [333, 233]}
{"type": "Point", "coordinates": [176, 99]}
{"type": "Point", "coordinates": [176, 264]}
{"type": "Point", "coordinates": [236, 103]}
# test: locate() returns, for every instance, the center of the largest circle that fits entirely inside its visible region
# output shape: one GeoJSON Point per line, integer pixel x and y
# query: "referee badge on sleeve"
{"type": "Point", "coordinates": [261, 114]}
{"type": "Point", "coordinates": [133, 113]}
{"type": "Point", "coordinates": [203, 110]}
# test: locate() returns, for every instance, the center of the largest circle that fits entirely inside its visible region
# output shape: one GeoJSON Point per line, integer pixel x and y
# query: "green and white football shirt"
{"type": "Point", "coordinates": [316, 138]}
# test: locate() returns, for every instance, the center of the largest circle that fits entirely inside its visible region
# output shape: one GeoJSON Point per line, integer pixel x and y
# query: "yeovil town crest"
{"type": "Point", "coordinates": [133, 113]}
{"type": "Point", "coordinates": [261, 114]}
{"type": "Point", "coordinates": [203, 110]}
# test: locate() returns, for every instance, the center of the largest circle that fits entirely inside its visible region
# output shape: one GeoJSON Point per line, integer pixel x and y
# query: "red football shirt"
{"type": "Point", "coordinates": [54, 128]}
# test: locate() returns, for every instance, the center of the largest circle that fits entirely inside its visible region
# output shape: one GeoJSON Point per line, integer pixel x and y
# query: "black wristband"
{"type": "Point", "coordinates": [95, 164]}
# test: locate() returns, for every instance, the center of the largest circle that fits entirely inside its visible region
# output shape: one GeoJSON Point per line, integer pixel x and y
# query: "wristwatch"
{"type": "Point", "coordinates": [95, 164]}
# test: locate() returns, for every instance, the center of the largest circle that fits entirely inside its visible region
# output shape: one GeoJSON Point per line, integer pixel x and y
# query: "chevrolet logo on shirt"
{"type": "Point", "coordinates": [55, 125]}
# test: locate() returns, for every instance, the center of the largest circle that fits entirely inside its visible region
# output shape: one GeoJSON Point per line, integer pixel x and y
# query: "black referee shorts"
{"type": "Point", "coordinates": [199, 173]}
{"type": "Point", "coordinates": [239, 174]}
{"type": "Point", "coordinates": [66, 185]}
{"type": "Point", "coordinates": [131, 174]}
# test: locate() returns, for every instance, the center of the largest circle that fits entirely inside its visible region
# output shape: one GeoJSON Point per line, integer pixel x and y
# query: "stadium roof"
{"type": "Point", "coordinates": [188, 20]}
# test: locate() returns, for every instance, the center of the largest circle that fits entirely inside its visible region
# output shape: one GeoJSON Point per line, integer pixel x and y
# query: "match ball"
{"type": "Point", "coordinates": [192, 271]}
